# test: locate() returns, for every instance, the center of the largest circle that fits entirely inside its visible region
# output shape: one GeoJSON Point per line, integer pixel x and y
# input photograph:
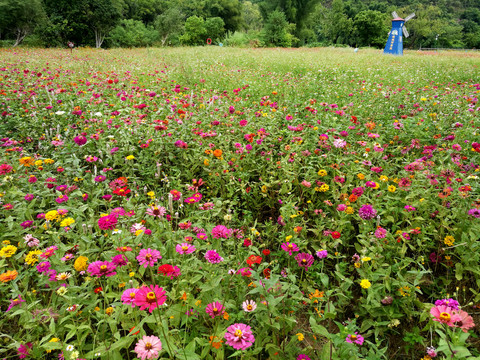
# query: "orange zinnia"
{"type": "Point", "coordinates": [217, 153]}
{"type": "Point", "coordinates": [215, 344]}
{"type": "Point", "coordinates": [8, 276]}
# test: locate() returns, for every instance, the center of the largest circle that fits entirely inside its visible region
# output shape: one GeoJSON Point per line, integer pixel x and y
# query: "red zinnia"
{"type": "Point", "coordinates": [254, 259]}
{"type": "Point", "coordinates": [124, 191]}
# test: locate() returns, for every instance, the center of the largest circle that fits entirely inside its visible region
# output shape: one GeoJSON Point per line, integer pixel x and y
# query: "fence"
{"type": "Point", "coordinates": [446, 49]}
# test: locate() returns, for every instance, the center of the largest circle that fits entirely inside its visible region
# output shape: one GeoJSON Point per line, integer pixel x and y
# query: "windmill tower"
{"type": "Point", "coordinates": [394, 44]}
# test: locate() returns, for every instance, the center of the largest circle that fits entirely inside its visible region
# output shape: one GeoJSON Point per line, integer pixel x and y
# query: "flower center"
{"type": "Point", "coordinates": [353, 337]}
{"type": "Point", "coordinates": [290, 246]}
{"type": "Point", "coordinates": [184, 248]}
{"type": "Point", "coordinates": [444, 316]}
{"type": "Point", "coordinates": [249, 307]}
{"type": "Point", "coordinates": [148, 346]}
{"type": "Point", "coordinates": [148, 256]}
{"type": "Point", "coordinates": [238, 333]}
{"type": "Point", "coordinates": [304, 261]}
{"type": "Point", "coordinates": [215, 310]}
{"type": "Point", "coordinates": [103, 268]}
{"type": "Point", "coordinates": [151, 296]}
{"type": "Point", "coordinates": [156, 211]}
{"type": "Point", "coordinates": [132, 295]}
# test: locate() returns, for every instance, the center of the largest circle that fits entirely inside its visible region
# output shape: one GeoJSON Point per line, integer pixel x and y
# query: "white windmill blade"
{"type": "Point", "coordinates": [409, 17]}
{"type": "Point", "coordinates": [394, 14]}
{"type": "Point", "coordinates": [405, 32]}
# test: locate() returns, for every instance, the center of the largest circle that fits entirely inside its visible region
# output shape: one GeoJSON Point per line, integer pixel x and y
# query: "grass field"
{"type": "Point", "coordinates": [213, 203]}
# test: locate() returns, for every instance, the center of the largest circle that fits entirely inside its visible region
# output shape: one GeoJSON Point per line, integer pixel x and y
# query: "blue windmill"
{"type": "Point", "coordinates": [394, 44]}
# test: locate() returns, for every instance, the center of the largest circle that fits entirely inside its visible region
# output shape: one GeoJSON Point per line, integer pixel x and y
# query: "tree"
{"type": "Point", "coordinates": [195, 32]}
{"type": "Point", "coordinates": [337, 25]}
{"type": "Point", "coordinates": [20, 17]}
{"type": "Point", "coordinates": [169, 24]}
{"type": "Point", "coordinates": [229, 10]}
{"type": "Point", "coordinates": [370, 28]}
{"type": "Point", "coordinates": [252, 17]}
{"type": "Point", "coordinates": [214, 27]}
{"type": "Point", "coordinates": [277, 30]}
{"type": "Point", "coordinates": [102, 16]}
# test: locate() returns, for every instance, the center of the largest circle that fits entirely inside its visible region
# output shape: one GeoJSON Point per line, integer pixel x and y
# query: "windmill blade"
{"type": "Point", "coordinates": [394, 14]}
{"type": "Point", "coordinates": [405, 32]}
{"type": "Point", "coordinates": [409, 17]}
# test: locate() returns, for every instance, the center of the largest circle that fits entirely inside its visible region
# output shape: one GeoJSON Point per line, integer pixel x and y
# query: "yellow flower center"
{"type": "Point", "coordinates": [151, 296]}
{"type": "Point", "coordinates": [103, 267]}
{"type": "Point", "coordinates": [290, 246]}
{"type": "Point", "coordinates": [215, 310]}
{"type": "Point", "coordinates": [132, 295]}
{"type": "Point", "coordinates": [353, 337]}
{"type": "Point", "coordinates": [249, 307]}
{"type": "Point", "coordinates": [238, 333]}
{"type": "Point", "coordinates": [444, 316]}
{"type": "Point", "coordinates": [184, 248]}
{"type": "Point", "coordinates": [148, 346]}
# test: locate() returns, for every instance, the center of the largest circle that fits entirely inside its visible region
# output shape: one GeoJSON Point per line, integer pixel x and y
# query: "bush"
{"type": "Point", "coordinates": [131, 33]}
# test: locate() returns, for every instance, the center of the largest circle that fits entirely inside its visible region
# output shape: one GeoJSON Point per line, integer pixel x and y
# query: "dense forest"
{"type": "Point", "coordinates": [133, 23]}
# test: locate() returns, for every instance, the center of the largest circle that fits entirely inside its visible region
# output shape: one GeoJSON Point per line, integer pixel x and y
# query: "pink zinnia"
{"type": "Point", "coordinates": [463, 320]}
{"type": "Point", "coordinates": [156, 211]}
{"type": "Point", "coordinates": [150, 297]}
{"type": "Point", "coordinates": [185, 248]}
{"type": "Point", "coordinates": [239, 336]}
{"type": "Point", "coordinates": [213, 257]}
{"type": "Point", "coordinates": [5, 169]}
{"type": "Point", "coordinates": [102, 268]}
{"type": "Point", "coordinates": [107, 222]}
{"type": "Point", "coordinates": [148, 257]}
{"type": "Point", "coordinates": [214, 309]}
{"type": "Point", "coordinates": [380, 233]}
{"type": "Point", "coordinates": [148, 347]}
{"type": "Point", "coordinates": [128, 296]}
{"type": "Point", "coordinates": [290, 248]}
{"type": "Point", "coordinates": [61, 199]}
{"type": "Point", "coordinates": [23, 349]}
{"type": "Point", "coordinates": [355, 339]}
{"type": "Point", "coordinates": [221, 232]}
{"type": "Point", "coordinates": [444, 315]}
{"type": "Point", "coordinates": [367, 212]}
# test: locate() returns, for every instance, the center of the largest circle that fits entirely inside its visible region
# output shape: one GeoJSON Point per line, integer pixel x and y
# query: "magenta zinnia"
{"type": "Point", "coordinates": [304, 260]}
{"type": "Point", "coordinates": [101, 268]}
{"type": "Point", "coordinates": [148, 347]}
{"type": "Point", "coordinates": [367, 212]}
{"type": "Point", "coordinates": [107, 222]}
{"type": "Point", "coordinates": [214, 309]}
{"type": "Point", "coordinates": [150, 297]}
{"type": "Point", "coordinates": [239, 336]}
{"type": "Point", "coordinates": [290, 247]}
{"type": "Point", "coordinates": [128, 296]}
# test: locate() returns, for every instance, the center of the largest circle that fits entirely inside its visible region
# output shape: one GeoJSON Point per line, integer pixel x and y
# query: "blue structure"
{"type": "Point", "coordinates": [394, 44]}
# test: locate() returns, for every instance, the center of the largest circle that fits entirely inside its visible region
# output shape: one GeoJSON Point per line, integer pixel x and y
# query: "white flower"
{"type": "Point", "coordinates": [60, 112]}
{"type": "Point", "coordinates": [249, 305]}
{"type": "Point", "coordinates": [98, 114]}
{"type": "Point", "coordinates": [70, 348]}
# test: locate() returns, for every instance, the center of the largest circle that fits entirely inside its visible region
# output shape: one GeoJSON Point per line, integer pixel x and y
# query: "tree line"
{"type": "Point", "coordinates": [286, 23]}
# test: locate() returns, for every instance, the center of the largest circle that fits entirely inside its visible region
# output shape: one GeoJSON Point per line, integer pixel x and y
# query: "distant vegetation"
{"type": "Point", "coordinates": [254, 23]}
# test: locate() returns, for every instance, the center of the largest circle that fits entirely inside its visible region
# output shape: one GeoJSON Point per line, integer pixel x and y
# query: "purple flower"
{"type": "Point", "coordinates": [355, 338]}
{"type": "Point", "coordinates": [303, 357]}
{"type": "Point", "coordinates": [43, 266]}
{"type": "Point", "coordinates": [367, 212]}
{"type": "Point", "coordinates": [304, 260]}
{"type": "Point", "coordinates": [26, 224]}
{"type": "Point", "coordinates": [474, 212]}
{"type": "Point", "coordinates": [322, 254]}
{"type": "Point", "coordinates": [29, 197]}
{"type": "Point", "coordinates": [100, 178]}
{"type": "Point", "coordinates": [101, 268]}
{"type": "Point", "coordinates": [80, 140]}
{"type": "Point", "coordinates": [448, 302]}
{"type": "Point", "coordinates": [15, 302]}
{"type": "Point", "coordinates": [213, 257]}
{"type": "Point", "coordinates": [120, 260]}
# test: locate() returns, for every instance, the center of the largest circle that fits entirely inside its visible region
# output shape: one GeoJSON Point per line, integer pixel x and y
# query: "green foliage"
{"type": "Point", "coordinates": [170, 25]}
{"type": "Point", "coordinates": [132, 33]}
{"type": "Point", "coordinates": [277, 30]}
{"type": "Point", "coordinates": [252, 17]}
{"type": "Point", "coordinates": [195, 32]}
{"type": "Point", "coordinates": [214, 28]}
{"type": "Point", "coordinates": [370, 28]}
{"type": "Point", "coordinates": [20, 17]}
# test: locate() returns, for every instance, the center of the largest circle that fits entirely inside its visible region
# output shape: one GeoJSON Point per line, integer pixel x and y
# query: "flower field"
{"type": "Point", "coordinates": [214, 203]}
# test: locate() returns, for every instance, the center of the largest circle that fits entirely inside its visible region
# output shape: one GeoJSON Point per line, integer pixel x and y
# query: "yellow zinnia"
{"type": "Point", "coordinates": [80, 263]}
{"type": "Point", "coordinates": [8, 251]}
{"type": "Point", "coordinates": [32, 257]}
{"type": "Point", "coordinates": [365, 284]}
